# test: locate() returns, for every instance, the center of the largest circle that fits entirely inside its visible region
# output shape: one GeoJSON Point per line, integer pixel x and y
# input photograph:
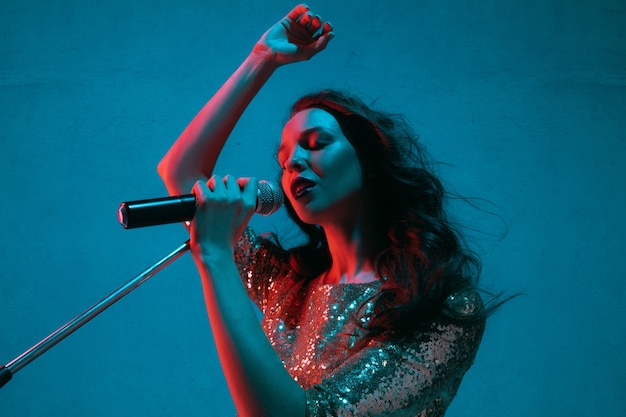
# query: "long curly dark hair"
{"type": "Point", "coordinates": [424, 258]}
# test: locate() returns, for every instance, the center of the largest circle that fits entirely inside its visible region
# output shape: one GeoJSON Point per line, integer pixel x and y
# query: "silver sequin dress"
{"type": "Point", "coordinates": [315, 330]}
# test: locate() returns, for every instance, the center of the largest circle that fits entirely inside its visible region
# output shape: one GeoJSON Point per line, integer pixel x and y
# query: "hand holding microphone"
{"type": "Point", "coordinates": [178, 209]}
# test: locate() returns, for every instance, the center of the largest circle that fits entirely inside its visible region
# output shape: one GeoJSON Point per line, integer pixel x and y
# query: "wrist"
{"type": "Point", "coordinates": [264, 57]}
{"type": "Point", "coordinates": [211, 254]}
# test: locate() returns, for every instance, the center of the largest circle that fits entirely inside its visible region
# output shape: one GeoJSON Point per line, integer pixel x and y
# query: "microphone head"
{"type": "Point", "coordinates": [269, 198]}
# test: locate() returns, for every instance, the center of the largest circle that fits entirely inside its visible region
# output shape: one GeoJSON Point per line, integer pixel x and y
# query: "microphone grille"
{"type": "Point", "coordinates": [269, 198]}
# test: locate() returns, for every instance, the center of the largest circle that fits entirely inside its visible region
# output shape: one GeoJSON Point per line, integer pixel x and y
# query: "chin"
{"type": "Point", "coordinates": [309, 217]}
{"type": "Point", "coordinates": [310, 214]}
{"type": "Point", "coordinates": [318, 211]}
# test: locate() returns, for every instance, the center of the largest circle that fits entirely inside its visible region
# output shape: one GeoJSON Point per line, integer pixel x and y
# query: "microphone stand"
{"type": "Point", "coordinates": [7, 371]}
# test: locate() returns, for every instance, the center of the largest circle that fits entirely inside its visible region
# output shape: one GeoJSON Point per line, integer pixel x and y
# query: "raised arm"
{"type": "Point", "coordinates": [258, 381]}
{"type": "Point", "coordinates": [297, 37]}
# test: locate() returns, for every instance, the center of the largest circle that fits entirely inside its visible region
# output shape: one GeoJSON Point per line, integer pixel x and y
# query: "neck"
{"type": "Point", "coordinates": [352, 248]}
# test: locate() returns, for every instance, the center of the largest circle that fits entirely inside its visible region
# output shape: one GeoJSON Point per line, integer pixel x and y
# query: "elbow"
{"type": "Point", "coordinates": [165, 171]}
{"type": "Point", "coordinates": [170, 177]}
{"type": "Point", "coordinates": [177, 179]}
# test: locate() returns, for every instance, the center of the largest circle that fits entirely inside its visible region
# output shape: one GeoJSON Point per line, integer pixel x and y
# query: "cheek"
{"type": "Point", "coordinates": [319, 164]}
{"type": "Point", "coordinates": [284, 182]}
{"type": "Point", "coordinates": [346, 163]}
{"type": "Point", "coordinates": [346, 176]}
{"type": "Point", "coordinates": [353, 171]}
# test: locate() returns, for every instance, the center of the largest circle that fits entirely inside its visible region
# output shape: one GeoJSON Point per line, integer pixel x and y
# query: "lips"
{"type": "Point", "coordinates": [301, 186]}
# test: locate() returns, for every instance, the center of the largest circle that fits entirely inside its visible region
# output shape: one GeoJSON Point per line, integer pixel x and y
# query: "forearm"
{"type": "Point", "coordinates": [195, 152]}
{"type": "Point", "coordinates": [259, 383]}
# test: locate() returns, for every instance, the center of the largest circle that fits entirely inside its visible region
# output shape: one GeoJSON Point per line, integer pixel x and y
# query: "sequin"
{"type": "Point", "coordinates": [317, 331]}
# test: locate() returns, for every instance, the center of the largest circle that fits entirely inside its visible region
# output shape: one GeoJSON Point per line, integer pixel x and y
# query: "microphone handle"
{"type": "Point", "coordinates": [181, 208]}
{"type": "Point", "coordinates": [152, 212]}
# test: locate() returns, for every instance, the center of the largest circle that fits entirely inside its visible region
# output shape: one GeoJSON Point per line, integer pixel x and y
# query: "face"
{"type": "Point", "coordinates": [321, 172]}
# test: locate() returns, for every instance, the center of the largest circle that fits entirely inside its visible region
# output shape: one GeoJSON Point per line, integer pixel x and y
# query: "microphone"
{"type": "Point", "coordinates": [181, 208]}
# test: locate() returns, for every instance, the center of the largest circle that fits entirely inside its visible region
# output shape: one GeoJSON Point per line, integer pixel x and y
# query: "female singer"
{"type": "Point", "coordinates": [377, 313]}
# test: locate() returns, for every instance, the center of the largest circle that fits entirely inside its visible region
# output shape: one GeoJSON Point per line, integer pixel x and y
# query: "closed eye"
{"type": "Point", "coordinates": [313, 139]}
{"type": "Point", "coordinates": [316, 141]}
{"type": "Point", "coordinates": [315, 146]}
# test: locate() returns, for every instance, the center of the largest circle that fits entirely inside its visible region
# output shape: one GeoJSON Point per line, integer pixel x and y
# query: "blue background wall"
{"type": "Point", "coordinates": [524, 101]}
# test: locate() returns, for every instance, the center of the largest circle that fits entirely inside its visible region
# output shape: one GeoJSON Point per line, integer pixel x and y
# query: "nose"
{"type": "Point", "coordinates": [298, 161]}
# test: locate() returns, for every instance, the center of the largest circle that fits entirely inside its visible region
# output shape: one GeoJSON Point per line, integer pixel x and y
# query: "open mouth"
{"type": "Point", "coordinates": [301, 186]}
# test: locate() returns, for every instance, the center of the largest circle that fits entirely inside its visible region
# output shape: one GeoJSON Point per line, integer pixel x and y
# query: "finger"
{"type": "Point", "coordinates": [315, 25]}
{"type": "Point", "coordinates": [216, 185]}
{"type": "Point", "coordinates": [327, 28]}
{"type": "Point", "coordinates": [242, 189]}
{"type": "Point", "coordinates": [249, 187]}
{"type": "Point", "coordinates": [297, 11]}
{"type": "Point", "coordinates": [200, 190]}
{"type": "Point", "coordinates": [304, 20]}
{"type": "Point", "coordinates": [230, 183]}
{"type": "Point", "coordinates": [320, 43]}
{"type": "Point", "coordinates": [243, 182]}
{"type": "Point", "coordinates": [211, 183]}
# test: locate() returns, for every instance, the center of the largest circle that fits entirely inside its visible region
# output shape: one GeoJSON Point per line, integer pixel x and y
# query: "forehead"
{"type": "Point", "coordinates": [309, 119]}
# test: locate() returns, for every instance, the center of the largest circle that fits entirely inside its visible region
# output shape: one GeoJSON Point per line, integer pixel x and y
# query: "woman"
{"type": "Point", "coordinates": [377, 313]}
